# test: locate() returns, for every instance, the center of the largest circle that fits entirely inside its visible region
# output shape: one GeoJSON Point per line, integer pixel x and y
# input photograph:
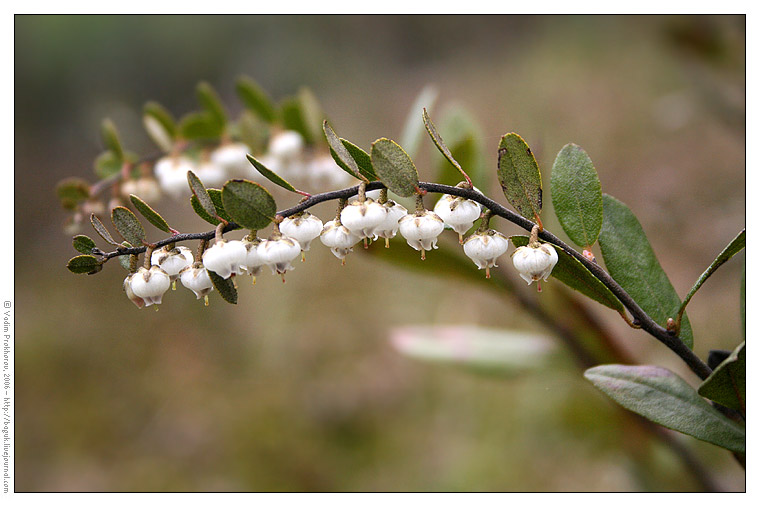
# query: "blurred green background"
{"type": "Point", "coordinates": [299, 388]}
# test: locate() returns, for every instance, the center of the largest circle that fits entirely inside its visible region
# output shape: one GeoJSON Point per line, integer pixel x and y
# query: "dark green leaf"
{"type": "Point", "coordinates": [82, 264]}
{"type": "Point", "coordinates": [742, 298]}
{"type": "Point", "coordinates": [249, 204]}
{"type": "Point", "coordinates": [632, 263]}
{"type": "Point", "coordinates": [438, 141]}
{"type": "Point", "coordinates": [101, 230]}
{"type": "Point", "coordinates": [226, 287]}
{"type": "Point", "coordinates": [83, 244]}
{"type": "Point", "coordinates": [575, 275]}
{"type": "Point", "coordinates": [577, 195]}
{"type": "Point", "coordinates": [200, 193]}
{"type": "Point", "coordinates": [394, 167]}
{"type": "Point", "coordinates": [735, 246]}
{"type": "Point", "coordinates": [341, 154]}
{"type": "Point", "coordinates": [255, 99]}
{"type": "Point", "coordinates": [209, 100]}
{"type": "Point", "coordinates": [200, 126]}
{"type": "Point", "coordinates": [665, 398]}
{"type": "Point", "coordinates": [727, 384]}
{"type": "Point", "coordinates": [127, 224]}
{"type": "Point", "coordinates": [149, 213]}
{"type": "Point", "coordinates": [72, 191]}
{"type": "Point", "coordinates": [361, 158]}
{"type": "Point", "coordinates": [519, 176]}
{"type": "Point", "coordinates": [111, 138]}
{"type": "Point", "coordinates": [293, 118]}
{"type": "Point", "coordinates": [270, 175]}
{"type": "Point", "coordinates": [464, 141]}
{"type": "Point", "coordinates": [412, 133]}
{"type": "Point", "coordinates": [216, 197]}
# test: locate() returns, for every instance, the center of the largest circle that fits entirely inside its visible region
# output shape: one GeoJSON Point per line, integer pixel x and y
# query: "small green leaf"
{"type": "Point", "coordinates": [631, 261]}
{"type": "Point", "coordinates": [249, 204]}
{"type": "Point", "coordinates": [107, 164]}
{"type": "Point", "coordinates": [127, 224]}
{"type": "Point", "coordinates": [438, 141]}
{"type": "Point", "coordinates": [111, 138]}
{"type": "Point", "coordinates": [735, 246]}
{"type": "Point", "coordinates": [101, 230]}
{"type": "Point", "coordinates": [575, 275]}
{"type": "Point", "coordinates": [271, 175]}
{"type": "Point", "coordinates": [149, 213]}
{"type": "Point", "coordinates": [464, 140]}
{"type": "Point", "coordinates": [577, 195]}
{"type": "Point", "coordinates": [82, 264]}
{"type": "Point", "coordinates": [160, 125]}
{"type": "Point", "coordinates": [519, 176]}
{"type": "Point", "coordinates": [665, 398]}
{"type": "Point", "coordinates": [72, 191]}
{"type": "Point", "coordinates": [727, 384]}
{"type": "Point", "coordinates": [394, 167]}
{"type": "Point", "coordinates": [200, 193]}
{"type": "Point", "coordinates": [209, 100]}
{"type": "Point", "coordinates": [225, 287]}
{"type": "Point", "coordinates": [216, 197]}
{"type": "Point", "coordinates": [83, 244]}
{"type": "Point", "coordinates": [293, 118]}
{"type": "Point", "coordinates": [200, 126]}
{"type": "Point", "coordinates": [124, 260]}
{"type": "Point", "coordinates": [163, 116]}
{"type": "Point", "coordinates": [361, 158]}
{"type": "Point", "coordinates": [253, 132]}
{"type": "Point", "coordinates": [312, 114]}
{"type": "Point", "coordinates": [412, 133]}
{"type": "Point", "coordinates": [341, 154]}
{"type": "Point", "coordinates": [255, 99]}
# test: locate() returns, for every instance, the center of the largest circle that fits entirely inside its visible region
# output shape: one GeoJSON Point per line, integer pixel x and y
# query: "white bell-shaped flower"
{"type": "Point", "coordinates": [339, 239]}
{"type": "Point", "coordinates": [195, 278]}
{"type": "Point", "coordinates": [231, 157]}
{"type": "Point", "coordinates": [390, 225]}
{"type": "Point", "coordinates": [286, 145]}
{"type": "Point", "coordinates": [363, 218]}
{"type": "Point", "coordinates": [148, 189]}
{"type": "Point", "coordinates": [171, 173]}
{"type": "Point", "coordinates": [150, 284]}
{"type": "Point", "coordinates": [457, 212]}
{"type": "Point", "coordinates": [212, 175]}
{"type": "Point", "coordinates": [322, 170]}
{"type": "Point", "coordinates": [226, 258]}
{"type": "Point", "coordinates": [278, 253]}
{"type": "Point", "coordinates": [421, 230]}
{"type": "Point", "coordinates": [138, 301]}
{"type": "Point", "coordinates": [484, 247]}
{"type": "Point", "coordinates": [172, 261]}
{"type": "Point", "coordinates": [535, 263]}
{"type": "Point", "coordinates": [303, 227]}
{"type": "Point", "coordinates": [253, 259]}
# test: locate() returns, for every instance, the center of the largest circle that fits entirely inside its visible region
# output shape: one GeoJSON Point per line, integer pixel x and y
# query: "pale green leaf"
{"type": "Point", "coordinates": [394, 167]}
{"type": "Point", "coordinates": [727, 384]}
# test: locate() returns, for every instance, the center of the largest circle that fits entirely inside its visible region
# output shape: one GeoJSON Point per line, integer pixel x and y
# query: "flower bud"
{"type": "Point", "coordinates": [231, 157]}
{"type": "Point", "coordinates": [339, 239]}
{"type": "Point", "coordinates": [171, 173]}
{"type": "Point", "coordinates": [150, 285]}
{"type": "Point", "coordinates": [253, 260]}
{"type": "Point", "coordinates": [362, 218]}
{"type": "Point", "coordinates": [389, 227]}
{"type": "Point", "coordinates": [534, 263]}
{"type": "Point", "coordinates": [421, 230]}
{"type": "Point", "coordinates": [172, 261]}
{"type": "Point", "coordinates": [303, 227]}
{"type": "Point", "coordinates": [457, 212]}
{"type": "Point", "coordinates": [226, 258]}
{"type": "Point", "coordinates": [279, 253]}
{"type": "Point", "coordinates": [484, 247]}
{"type": "Point", "coordinates": [195, 278]}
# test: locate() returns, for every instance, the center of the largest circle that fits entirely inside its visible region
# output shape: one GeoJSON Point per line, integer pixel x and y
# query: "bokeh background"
{"type": "Point", "coordinates": [299, 387]}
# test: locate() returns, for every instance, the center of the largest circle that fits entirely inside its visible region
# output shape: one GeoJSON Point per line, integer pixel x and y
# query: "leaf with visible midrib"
{"type": "Point", "coordinates": [149, 213]}
{"type": "Point", "coordinates": [727, 384]}
{"type": "Point", "coordinates": [577, 195]}
{"type": "Point", "coordinates": [519, 176]}
{"type": "Point", "coordinates": [84, 264]}
{"type": "Point", "coordinates": [394, 167]}
{"type": "Point", "coordinates": [83, 244]}
{"type": "Point", "coordinates": [631, 261]}
{"type": "Point", "coordinates": [249, 204]}
{"type": "Point", "coordinates": [270, 175]}
{"type": "Point", "coordinates": [127, 224]}
{"type": "Point", "coordinates": [216, 197]}
{"type": "Point", "coordinates": [665, 398]}
{"type": "Point", "coordinates": [200, 193]}
{"type": "Point", "coordinates": [339, 152]}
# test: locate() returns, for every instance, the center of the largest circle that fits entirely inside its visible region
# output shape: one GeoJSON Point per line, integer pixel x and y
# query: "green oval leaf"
{"type": "Point", "coordinates": [577, 195]}
{"type": "Point", "coordinates": [519, 176]}
{"type": "Point", "coordinates": [361, 157]}
{"type": "Point", "coordinates": [340, 153]}
{"type": "Point", "coordinates": [209, 100]}
{"type": "Point", "coordinates": [394, 167]}
{"type": "Point", "coordinates": [665, 398]}
{"type": "Point", "coordinates": [83, 244]}
{"type": "Point", "coordinates": [149, 213]}
{"type": "Point", "coordinates": [255, 99]}
{"type": "Point", "coordinates": [249, 204]}
{"type": "Point", "coordinates": [163, 116]}
{"type": "Point", "coordinates": [111, 138]}
{"type": "Point", "coordinates": [101, 230]}
{"type": "Point", "coordinates": [727, 384]}
{"type": "Point", "coordinates": [311, 112]}
{"type": "Point", "coordinates": [438, 141]}
{"type": "Point", "coordinates": [631, 261]}
{"type": "Point", "coordinates": [72, 191]}
{"type": "Point", "coordinates": [160, 125]}
{"type": "Point", "coordinates": [127, 224]}
{"type": "Point", "coordinates": [200, 126]}
{"type": "Point", "coordinates": [200, 193]}
{"type": "Point", "coordinates": [82, 264]}
{"type": "Point", "coordinates": [216, 197]}
{"type": "Point", "coordinates": [293, 118]}
{"type": "Point", "coordinates": [575, 275]}
{"type": "Point", "coordinates": [225, 287]}
{"type": "Point", "coordinates": [107, 164]}
{"type": "Point", "coordinates": [252, 132]}
{"type": "Point", "coordinates": [271, 175]}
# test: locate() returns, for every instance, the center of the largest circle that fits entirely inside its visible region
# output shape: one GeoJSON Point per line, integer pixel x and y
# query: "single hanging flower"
{"type": "Point", "coordinates": [171, 172]}
{"type": "Point", "coordinates": [253, 260]}
{"type": "Point", "coordinates": [138, 301]}
{"type": "Point", "coordinates": [421, 230]}
{"type": "Point", "coordinates": [231, 157]}
{"type": "Point", "coordinates": [390, 225]}
{"type": "Point", "coordinates": [195, 277]}
{"type": "Point", "coordinates": [484, 247]}
{"type": "Point", "coordinates": [278, 252]}
{"type": "Point", "coordinates": [535, 262]}
{"type": "Point", "coordinates": [286, 145]}
{"type": "Point", "coordinates": [363, 218]}
{"type": "Point", "coordinates": [322, 170]}
{"type": "Point", "coordinates": [457, 212]}
{"type": "Point", "coordinates": [226, 258]}
{"type": "Point", "coordinates": [150, 284]}
{"type": "Point", "coordinates": [148, 189]}
{"type": "Point", "coordinates": [211, 174]}
{"type": "Point", "coordinates": [172, 261]}
{"type": "Point", "coordinates": [303, 227]}
{"type": "Point", "coordinates": [339, 239]}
